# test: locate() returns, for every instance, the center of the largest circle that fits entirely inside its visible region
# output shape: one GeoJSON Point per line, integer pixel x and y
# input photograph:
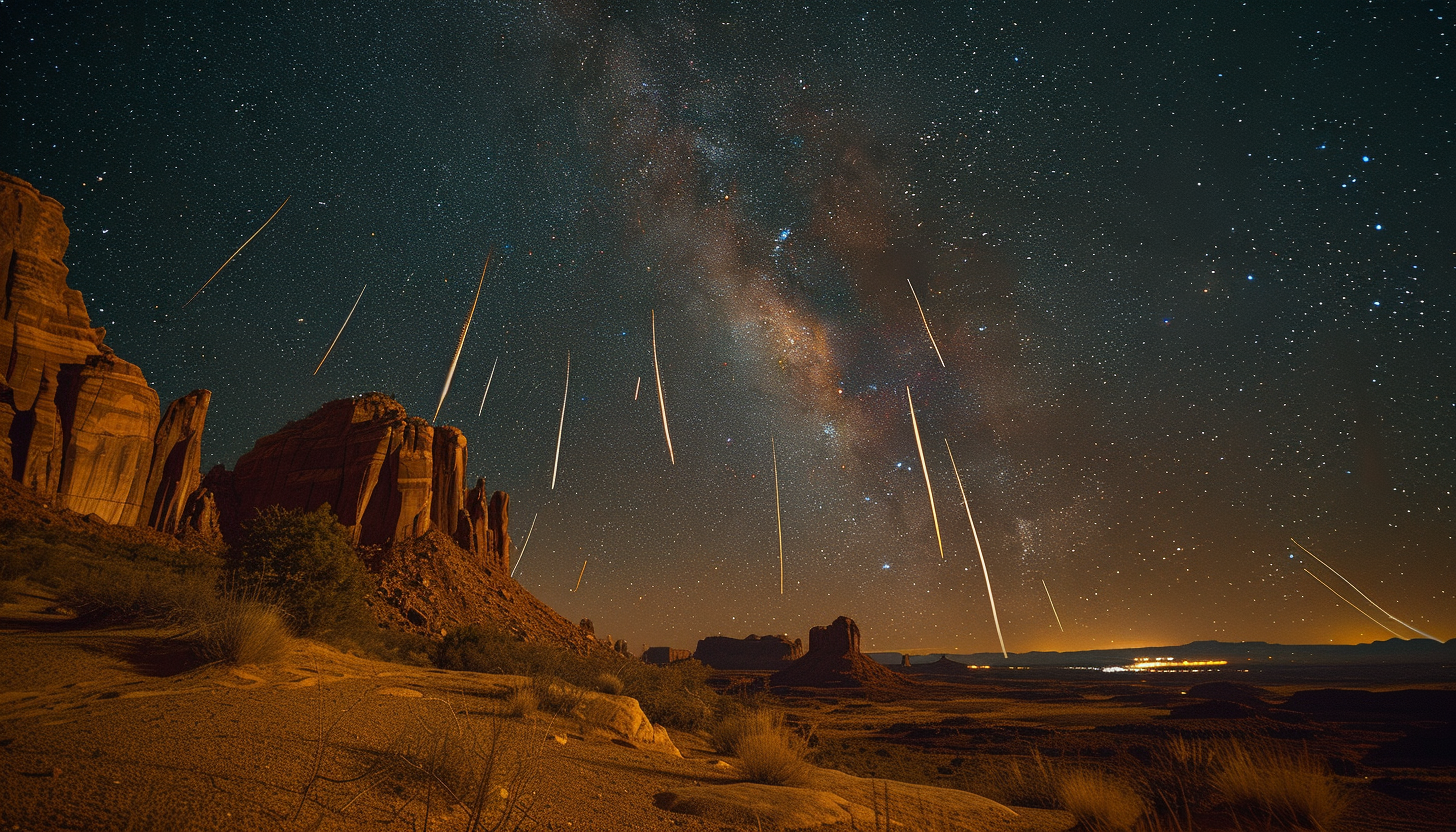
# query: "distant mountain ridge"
{"type": "Point", "coordinates": [1390, 651]}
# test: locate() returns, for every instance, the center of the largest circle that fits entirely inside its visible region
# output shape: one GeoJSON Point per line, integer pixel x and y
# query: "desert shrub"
{"type": "Point", "coordinates": [306, 561]}
{"type": "Point", "coordinates": [1098, 800]}
{"type": "Point", "coordinates": [676, 696]}
{"type": "Point", "coordinates": [609, 683]}
{"type": "Point", "coordinates": [556, 696]}
{"type": "Point", "coordinates": [122, 590]}
{"type": "Point", "coordinates": [522, 702]}
{"type": "Point", "coordinates": [772, 755]}
{"type": "Point", "coordinates": [1288, 790]}
{"type": "Point", "coordinates": [1012, 780]}
{"type": "Point", "coordinates": [725, 735]}
{"type": "Point", "coordinates": [242, 629]}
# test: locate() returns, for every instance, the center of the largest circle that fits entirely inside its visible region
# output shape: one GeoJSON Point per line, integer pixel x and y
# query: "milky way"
{"type": "Point", "coordinates": [1189, 272]}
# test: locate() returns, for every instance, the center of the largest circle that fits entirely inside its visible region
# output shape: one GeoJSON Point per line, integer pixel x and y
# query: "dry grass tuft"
{"type": "Point", "coordinates": [242, 630]}
{"type": "Point", "coordinates": [1287, 790]}
{"type": "Point", "coordinates": [522, 702]}
{"type": "Point", "coordinates": [556, 696]}
{"type": "Point", "coordinates": [610, 683]}
{"type": "Point", "coordinates": [1099, 800]}
{"type": "Point", "coordinates": [770, 753]}
{"type": "Point", "coordinates": [726, 734]}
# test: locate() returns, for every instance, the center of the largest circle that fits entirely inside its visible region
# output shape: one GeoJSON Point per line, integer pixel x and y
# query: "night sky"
{"type": "Point", "coordinates": [1191, 270]}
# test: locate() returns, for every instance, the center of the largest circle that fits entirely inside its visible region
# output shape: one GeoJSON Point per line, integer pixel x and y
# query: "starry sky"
{"type": "Point", "coordinates": [1190, 271]}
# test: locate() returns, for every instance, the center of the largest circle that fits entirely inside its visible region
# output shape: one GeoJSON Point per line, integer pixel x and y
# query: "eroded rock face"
{"type": "Point", "coordinates": [834, 660]}
{"type": "Point", "coordinates": [387, 475]}
{"type": "Point", "coordinates": [78, 424]}
{"type": "Point", "coordinates": [751, 653]}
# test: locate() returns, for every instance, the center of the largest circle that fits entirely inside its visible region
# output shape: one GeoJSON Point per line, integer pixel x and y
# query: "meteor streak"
{"type": "Point", "coordinates": [1054, 606]}
{"type": "Point", "coordinates": [661, 405]}
{"type": "Point", "coordinates": [977, 536]}
{"type": "Point", "coordinates": [239, 251]}
{"type": "Point", "coordinates": [578, 576]}
{"type": "Point", "coordinates": [341, 330]}
{"type": "Point", "coordinates": [522, 553]}
{"type": "Point", "coordinates": [778, 512]}
{"type": "Point", "coordinates": [460, 344]}
{"type": "Point", "coordinates": [638, 389]}
{"type": "Point", "coordinates": [933, 516]}
{"type": "Point", "coordinates": [1348, 601]}
{"type": "Point", "coordinates": [924, 321]}
{"type": "Point", "coordinates": [487, 386]}
{"type": "Point", "coordinates": [562, 424]}
{"type": "Point", "coordinates": [1363, 595]}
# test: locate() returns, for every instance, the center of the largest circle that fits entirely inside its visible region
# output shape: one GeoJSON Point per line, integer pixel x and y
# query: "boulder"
{"type": "Point", "coordinates": [834, 660]}
{"type": "Point", "coordinates": [621, 717]}
{"type": "Point", "coordinates": [750, 653]}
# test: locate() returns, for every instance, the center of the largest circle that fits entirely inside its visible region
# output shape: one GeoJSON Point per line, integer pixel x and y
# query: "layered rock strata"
{"type": "Point", "coordinates": [389, 477]}
{"type": "Point", "coordinates": [834, 660]}
{"type": "Point", "coordinates": [78, 424]}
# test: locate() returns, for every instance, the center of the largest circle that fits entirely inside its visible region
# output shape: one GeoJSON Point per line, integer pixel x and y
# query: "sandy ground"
{"type": "Point", "coordinates": [116, 728]}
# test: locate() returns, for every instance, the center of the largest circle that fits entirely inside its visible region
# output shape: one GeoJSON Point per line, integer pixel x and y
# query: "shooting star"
{"type": "Point", "coordinates": [638, 390]}
{"type": "Point", "coordinates": [562, 424]}
{"type": "Point", "coordinates": [460, 344]}
{"type": "Point", "coordinates": [1363, 595]}
{"type": "Point", "coordinates": [522, 553]}
{"type": "Point", "coordinates": [239, 251]}
{"type": "Point", "coordinates": [1348, 601]}
{"type": "Point", "coordinates": [924, 321]}
{"type": "Point", "coordinates": [778, 512]}
{"type": "Point", "coordinates": [918, 447]}
{"type": "Point", "coordinates": [487, 386]}
{"type": "Point", "coordinates": [1054, 606]}
{"type": "Point", "coordinates": [977, 536]}
{"type": "Point", "coordinates": [341, 330]}
{"type": "Point", "coordinates": [661, 404]}
{"type": "Point", "coordinates": [579, 575]}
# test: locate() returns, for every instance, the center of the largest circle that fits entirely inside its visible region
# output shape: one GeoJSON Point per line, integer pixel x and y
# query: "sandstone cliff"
{"type": "Point", "coordinates": [78, 424]}
{"type": "Point", "coordinates": [390, 477]}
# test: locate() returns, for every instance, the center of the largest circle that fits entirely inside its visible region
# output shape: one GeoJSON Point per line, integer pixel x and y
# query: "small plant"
{"type": "Point", "coordinates": [610, 683]}
{"type": "Point", "coordinates": [1287, 790]}
{"type": "Point", "coordinates": [307, 560]}
{"type": "Point", "coordinates": [726, 735]}
{"type": "Point", "coordinates": [772, 755]}
{"type": "Point", "coordinates": [1098, 800]}
{"type": "Point", "coordinates": [522, 702]}
{"type": "Point", "coordinates": [242, 629]}
{"type": "Point", "coordinates": [555, 696]}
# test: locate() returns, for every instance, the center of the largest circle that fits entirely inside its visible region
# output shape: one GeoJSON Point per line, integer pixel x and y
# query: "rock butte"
{"type": "Point", "coordinates": [834, 660]}
{"type": "Point", "coordinates": [78, 424]}
{"type": "Point", "coordinates": [751, 653]}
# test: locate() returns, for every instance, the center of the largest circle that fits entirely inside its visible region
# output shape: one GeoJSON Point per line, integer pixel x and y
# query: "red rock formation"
{"type": "Point", "coordinates": [448, 488]}
{"type": "Point", "coordinates": [835, 661]}
{"type": "Point", "coordinates": [497, 535]}
{"type": "Point", "coordinates": [387, 475]}
{"type": "Point", "coordinates": [77, 423]}
{"type": "Point", "coordinates": [176, 470]}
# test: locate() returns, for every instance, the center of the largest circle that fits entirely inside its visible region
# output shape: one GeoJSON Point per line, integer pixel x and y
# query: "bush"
{"type": "Point", "coordinates": [1293, 791]}
{"type": "Point", "coordinates": [522, 702]}
{"type": "Point", "coordinates": [609, 683]}
{"type": "Point", "coordinates": [243, 630]}
{"type": "Point", "coordinates": [1098, 800]}
{"type": "Point", "coordinates": [306, 561]}
{"type": "Point", "coordinates": [726, 735]}
{"type": "Point", "coordinates": [772, 755]}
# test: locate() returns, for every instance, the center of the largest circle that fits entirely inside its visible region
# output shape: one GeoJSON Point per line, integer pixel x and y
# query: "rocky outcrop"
{"type": "Point", "coordinates": [834, 660]}
{"type": "Point", "coordinates": [176, 471]}
{"type": "Point", "coordinates": [388, 476]}
{"type": "Point", "coordinates": [751, 653]}
{"type": "Point", "coordinates": [665, 655]}
{"type": "Point", "coordinates": [77, 423]}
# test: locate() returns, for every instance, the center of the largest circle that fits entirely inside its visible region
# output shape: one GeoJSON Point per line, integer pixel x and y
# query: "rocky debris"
{"type": "Point", "coordinates": [428, 584]}
{"type": "Point", "coordinates": [754, 805]}
{"type": "Point", "coordinates": [77, 423]}
{"type": "Point", "coordinates": [834, 660]}
{"type": "Point", "coordinates": [665, 655]}
{"type": "Point", "coordinates": [750, 653]}
{"type": "Point", "coordinates": [388, 476]}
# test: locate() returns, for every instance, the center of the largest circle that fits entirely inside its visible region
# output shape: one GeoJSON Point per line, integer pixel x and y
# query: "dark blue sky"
{"type": "Point", "coordinates": [1191, 271]}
